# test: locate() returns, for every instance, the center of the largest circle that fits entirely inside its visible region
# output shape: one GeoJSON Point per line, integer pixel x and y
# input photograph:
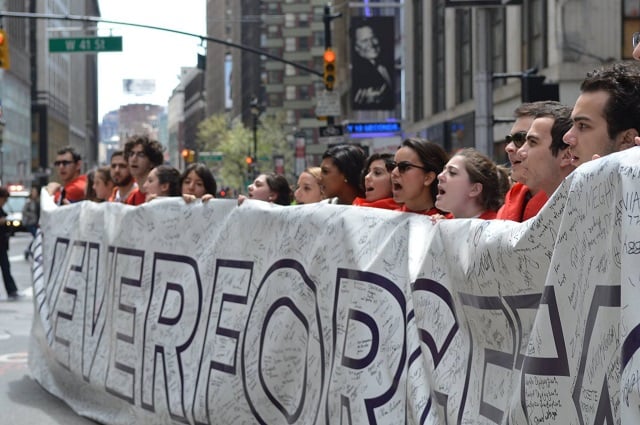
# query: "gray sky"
{"type": "Point", "coordinates": [148, 54]}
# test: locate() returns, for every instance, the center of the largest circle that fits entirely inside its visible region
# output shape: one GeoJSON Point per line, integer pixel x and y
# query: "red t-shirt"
{"type": "Point", "coordinates": [136, 197]}
{"type": "Point", "coordinates": [520, 205]}
{"type": "Point", "coordinates": [74, 191]}
{"type": "Point", "coordinates": [384, 203]}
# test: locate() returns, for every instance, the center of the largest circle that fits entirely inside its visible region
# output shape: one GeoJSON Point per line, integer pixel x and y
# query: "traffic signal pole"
{"type": "Point", "coordinates": [329, 57]}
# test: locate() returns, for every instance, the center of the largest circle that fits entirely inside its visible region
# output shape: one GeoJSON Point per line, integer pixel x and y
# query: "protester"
{"type": "Point", "coordinates": [163, 180]}
{"type": "Point", "coordinates": [413, 179]}
{"type": "Point", "coordinates": [5, 266]}
{"type": "Point", "coordinates": [546, 159]}
{"type": "Point", "coordinates": [606, 116]}
{"type": "Point", "coordinates": [89, 192]}
{"type": "Point", "coordinates": [308, 190]}
{"type": "Point", "coordinates": [340, 170]}
{"type": "Point", "coordinates": [72, 186]}
{"type": "Point", "coordinates": [142, 154]}
{"type": "Point", "coordinates": [520, 204]}
{"type": "Point", "coordinates": [102, 184]}
{"type": "Point", "coordinates": [198, 182]}
{"type": "Point", "coordinates": [122, 179]}
{"type": "Point", "coordinates": [376, 180]}
{"type": "Point", "coordinates": [471, 186]}
{"type": "Point", "coordinates": [270, 187]}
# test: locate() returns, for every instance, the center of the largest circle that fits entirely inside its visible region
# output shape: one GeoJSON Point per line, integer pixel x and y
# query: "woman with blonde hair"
{"type": "Point", "coordinates": [308, 190]}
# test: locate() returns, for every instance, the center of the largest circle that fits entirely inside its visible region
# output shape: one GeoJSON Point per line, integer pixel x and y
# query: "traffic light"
{"type": "Point", "coordinates": [5, 61]}
{"type": "Point", "coordinates": [329, 68]}
{"type": "Point", "coordinates": [534, 89]}
{"type": "Point", "coordinates": [188, 155]}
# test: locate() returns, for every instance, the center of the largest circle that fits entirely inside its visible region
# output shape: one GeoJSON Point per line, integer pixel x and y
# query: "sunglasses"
{"type": "Point", "coordinates": [403, 166]}
{"type": "Point", "coordinates": [635, 39]}
{"type": "Point", "coordinates": [518, 138]}
{"type": "Point", "coordinates": [64, 163]}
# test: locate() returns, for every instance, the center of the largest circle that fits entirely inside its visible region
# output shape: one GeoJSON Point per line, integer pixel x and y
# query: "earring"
{"type": "Point", "coordinates": [345, 180]}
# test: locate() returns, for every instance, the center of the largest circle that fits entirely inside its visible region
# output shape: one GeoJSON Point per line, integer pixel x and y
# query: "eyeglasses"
{"type": "Point", "coordinates": [403, 166]}
{"type": "Point", "coordinates": [635, 39]}
{"type": "Point", "coordinates": [517, 138]}
{"type": "Point", "coordinates": [64, 163]}
{"type": "Point", "coordinates": [139, 154]}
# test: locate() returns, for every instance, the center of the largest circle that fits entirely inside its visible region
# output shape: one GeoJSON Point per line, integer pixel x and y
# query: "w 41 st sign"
{"type": "Point", "coordinates": [85, 44]}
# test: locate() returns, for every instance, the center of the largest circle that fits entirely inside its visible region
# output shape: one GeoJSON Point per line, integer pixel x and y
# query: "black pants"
{"type": "Point", "coordinates": [9, 283]}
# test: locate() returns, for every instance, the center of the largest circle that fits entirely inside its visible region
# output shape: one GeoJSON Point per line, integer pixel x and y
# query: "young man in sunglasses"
{"type": "Point", "coordinates": [520, 204]}
{"type": "Point", "coordinates": [72, 186]}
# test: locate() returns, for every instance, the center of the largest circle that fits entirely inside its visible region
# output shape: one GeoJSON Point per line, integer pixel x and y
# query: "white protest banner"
{"type": "Point", "coordinates": [322, 314]}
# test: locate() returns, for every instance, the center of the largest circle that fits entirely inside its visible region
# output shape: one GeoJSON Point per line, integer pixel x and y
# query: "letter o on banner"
{"type": "Point", "coordinates": [283, 354]}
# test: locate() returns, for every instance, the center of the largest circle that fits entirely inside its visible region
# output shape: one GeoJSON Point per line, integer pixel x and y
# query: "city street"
{"type": "Point", "coordinates": [22, 400]}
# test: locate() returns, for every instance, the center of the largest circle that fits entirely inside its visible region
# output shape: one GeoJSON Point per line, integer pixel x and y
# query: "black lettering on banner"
{"type": "Point", "coordinates": [359, 295]}
{"type": "Point", "coordinates": [502, 359]}
{"type": "Point", "coordinates": [283, 351]}
{"type": "Point", "coordinates": [47, 295]}
{"type": "Point", "coordinates": [175, 281]}
{"type": "Point", "coordinates": [437, 328]}
{"type": "Point", "coordinates": [94, 296]}
{"type": "Point", "coordinates": [517, 303]}
{"type": "Point", "coordinates": [65, 304]}
{"type": "Point", "coordinates": [601, 349]}
{"type": "Point", "coordinates": [121, 370]}
{"type": "Point", "coordinates": [227, 312]}
{"type": "Point", "coordinates": [546, 366]}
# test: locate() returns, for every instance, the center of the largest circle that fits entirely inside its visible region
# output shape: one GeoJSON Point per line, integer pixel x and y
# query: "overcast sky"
{"type": "Point", "coordinates": [148, 54]}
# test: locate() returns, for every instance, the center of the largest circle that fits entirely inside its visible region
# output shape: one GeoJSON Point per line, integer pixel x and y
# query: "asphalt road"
{"type": "Point", "coordinates": [22, 400]}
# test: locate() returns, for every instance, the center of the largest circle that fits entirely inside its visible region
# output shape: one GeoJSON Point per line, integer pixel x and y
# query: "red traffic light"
{"type": "Point", "coordinates": [329, 56]}
{"type": "Point", "coordinates": [185, 153]}
{"type": "Point", "coordinates": [2, 38]}
{"type": "Point", "coordinates": [249, 160]}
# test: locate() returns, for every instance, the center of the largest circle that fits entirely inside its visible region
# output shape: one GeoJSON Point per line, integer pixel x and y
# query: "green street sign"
{"type": "Point", "coordinates": [210, 156]}
{"type": "Point", "coordinates": [85, 44]}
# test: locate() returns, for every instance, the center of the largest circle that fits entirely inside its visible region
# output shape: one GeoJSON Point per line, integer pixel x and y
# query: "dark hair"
{"type": "Point", "coordinates": [349, 159]}
{"type": "Point", "coordinates": [622, 82]}
{"type": "Point", "coordinates": [534, 109]}
{"type": "Point", "coordinates": [70, 149]}
{"type": "Point", "coordinates": [432, 156]}
{"type": "Point", "coordinates": [205, 174]}
{"type": "Point", "coordinates": [171, 175]}
{"type": "Point", "coordinates": [279, 184]}
{"type": "Point", "coordinates": [387, 158]}
{"type": "Point", "coordinates": [481, 169]}
{"type": "Point", "coordinates": [105, 173]}
{"type": "Point", "coordinates": [118, 152]}
{"type": "Point", "coordinates": [89, 192]}
{"type": "Point", "coordinates": [561, 115]}
{"type": "Point", "coordinates": [152, 148]}
{"type": "Point", "coordinates": [4, 193]}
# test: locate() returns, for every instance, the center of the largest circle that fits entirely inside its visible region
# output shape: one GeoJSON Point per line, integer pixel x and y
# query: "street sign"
{"type": "Point", "coordinates": [331, 134]}
{"type": "Point", "coordinates": [211, 156]}
{"type": "Point", "coordinates": [373, 127]}
{"type": "Point", "coordinates": [85, 44]}
{"type": "Point", "coordinates": [328, 104]}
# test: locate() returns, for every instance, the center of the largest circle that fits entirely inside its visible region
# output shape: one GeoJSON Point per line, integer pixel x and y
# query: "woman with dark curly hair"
{"type": "Point", "coordinates": [471, 186]}
{"type": "Point", "coordinates": [340, 170]}
{"type": "Point", "coordinates": [418, 162]}
{"type": "Point", "coordinates": [376, 180]}
{"type": "Point", "coordinates": [270, 187]}
{"type": "Point", "coordinates": [197, 182]}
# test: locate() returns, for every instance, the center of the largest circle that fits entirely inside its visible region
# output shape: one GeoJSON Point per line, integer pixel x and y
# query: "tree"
{"type": "Point", "coordinates": [235, 141]}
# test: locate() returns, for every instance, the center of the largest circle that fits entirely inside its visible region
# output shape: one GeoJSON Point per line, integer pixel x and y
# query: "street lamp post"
{"type": "Point", "coordinates": [255, 113]}
{"type": "Point", "coordinates": [2, 124]}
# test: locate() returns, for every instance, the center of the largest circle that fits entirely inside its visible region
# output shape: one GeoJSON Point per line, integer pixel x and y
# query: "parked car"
{"type": "Point", "coordinates": [13, 208]}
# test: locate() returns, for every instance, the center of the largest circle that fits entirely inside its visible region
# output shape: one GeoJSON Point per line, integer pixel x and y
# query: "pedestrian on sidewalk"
{"type": "Point", "coordinates": [9, 283]}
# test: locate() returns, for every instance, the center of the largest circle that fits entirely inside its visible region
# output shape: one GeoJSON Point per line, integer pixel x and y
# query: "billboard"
{"type": "Point", "coordinates": [138, 87]}
{"type": "Point", "coordinates": [372, 63]}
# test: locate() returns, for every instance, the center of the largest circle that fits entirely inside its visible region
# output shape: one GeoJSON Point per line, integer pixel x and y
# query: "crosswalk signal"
{"type": "Point", "coordinates": [5, 61]}
{"type": "Point", "coordinates": [329, 68]}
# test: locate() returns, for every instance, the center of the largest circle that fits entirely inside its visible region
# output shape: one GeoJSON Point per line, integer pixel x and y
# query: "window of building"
{"type": "Point", "coordinates": [303, 20]}
{"type": "Point", "coordinates": [290, 93]}
{"type": "Point", "coordinates": [290, 70]}
{"type": "Point", "coordinates": [303, 43]}
{"type": "Point", "coordinates": [289, 20]}
{"type": "Point", "coordinates": [290, 44]}
{"type": "Point", "coordinates": [534, 34]}
{"type": "Point", "coordinates": [438, 83]}
{"type": "Point", "coordinates": [464, 60]}
{"type": "Point", "coordinates": [630, 24]}
{"type": "Point", "coordinates": [303, 92]}
{"type": "Point", "coordinates": [418, 64]}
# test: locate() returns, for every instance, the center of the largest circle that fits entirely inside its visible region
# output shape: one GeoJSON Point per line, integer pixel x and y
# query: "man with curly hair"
{"type": "Point", "coordinates": [143, 154]}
